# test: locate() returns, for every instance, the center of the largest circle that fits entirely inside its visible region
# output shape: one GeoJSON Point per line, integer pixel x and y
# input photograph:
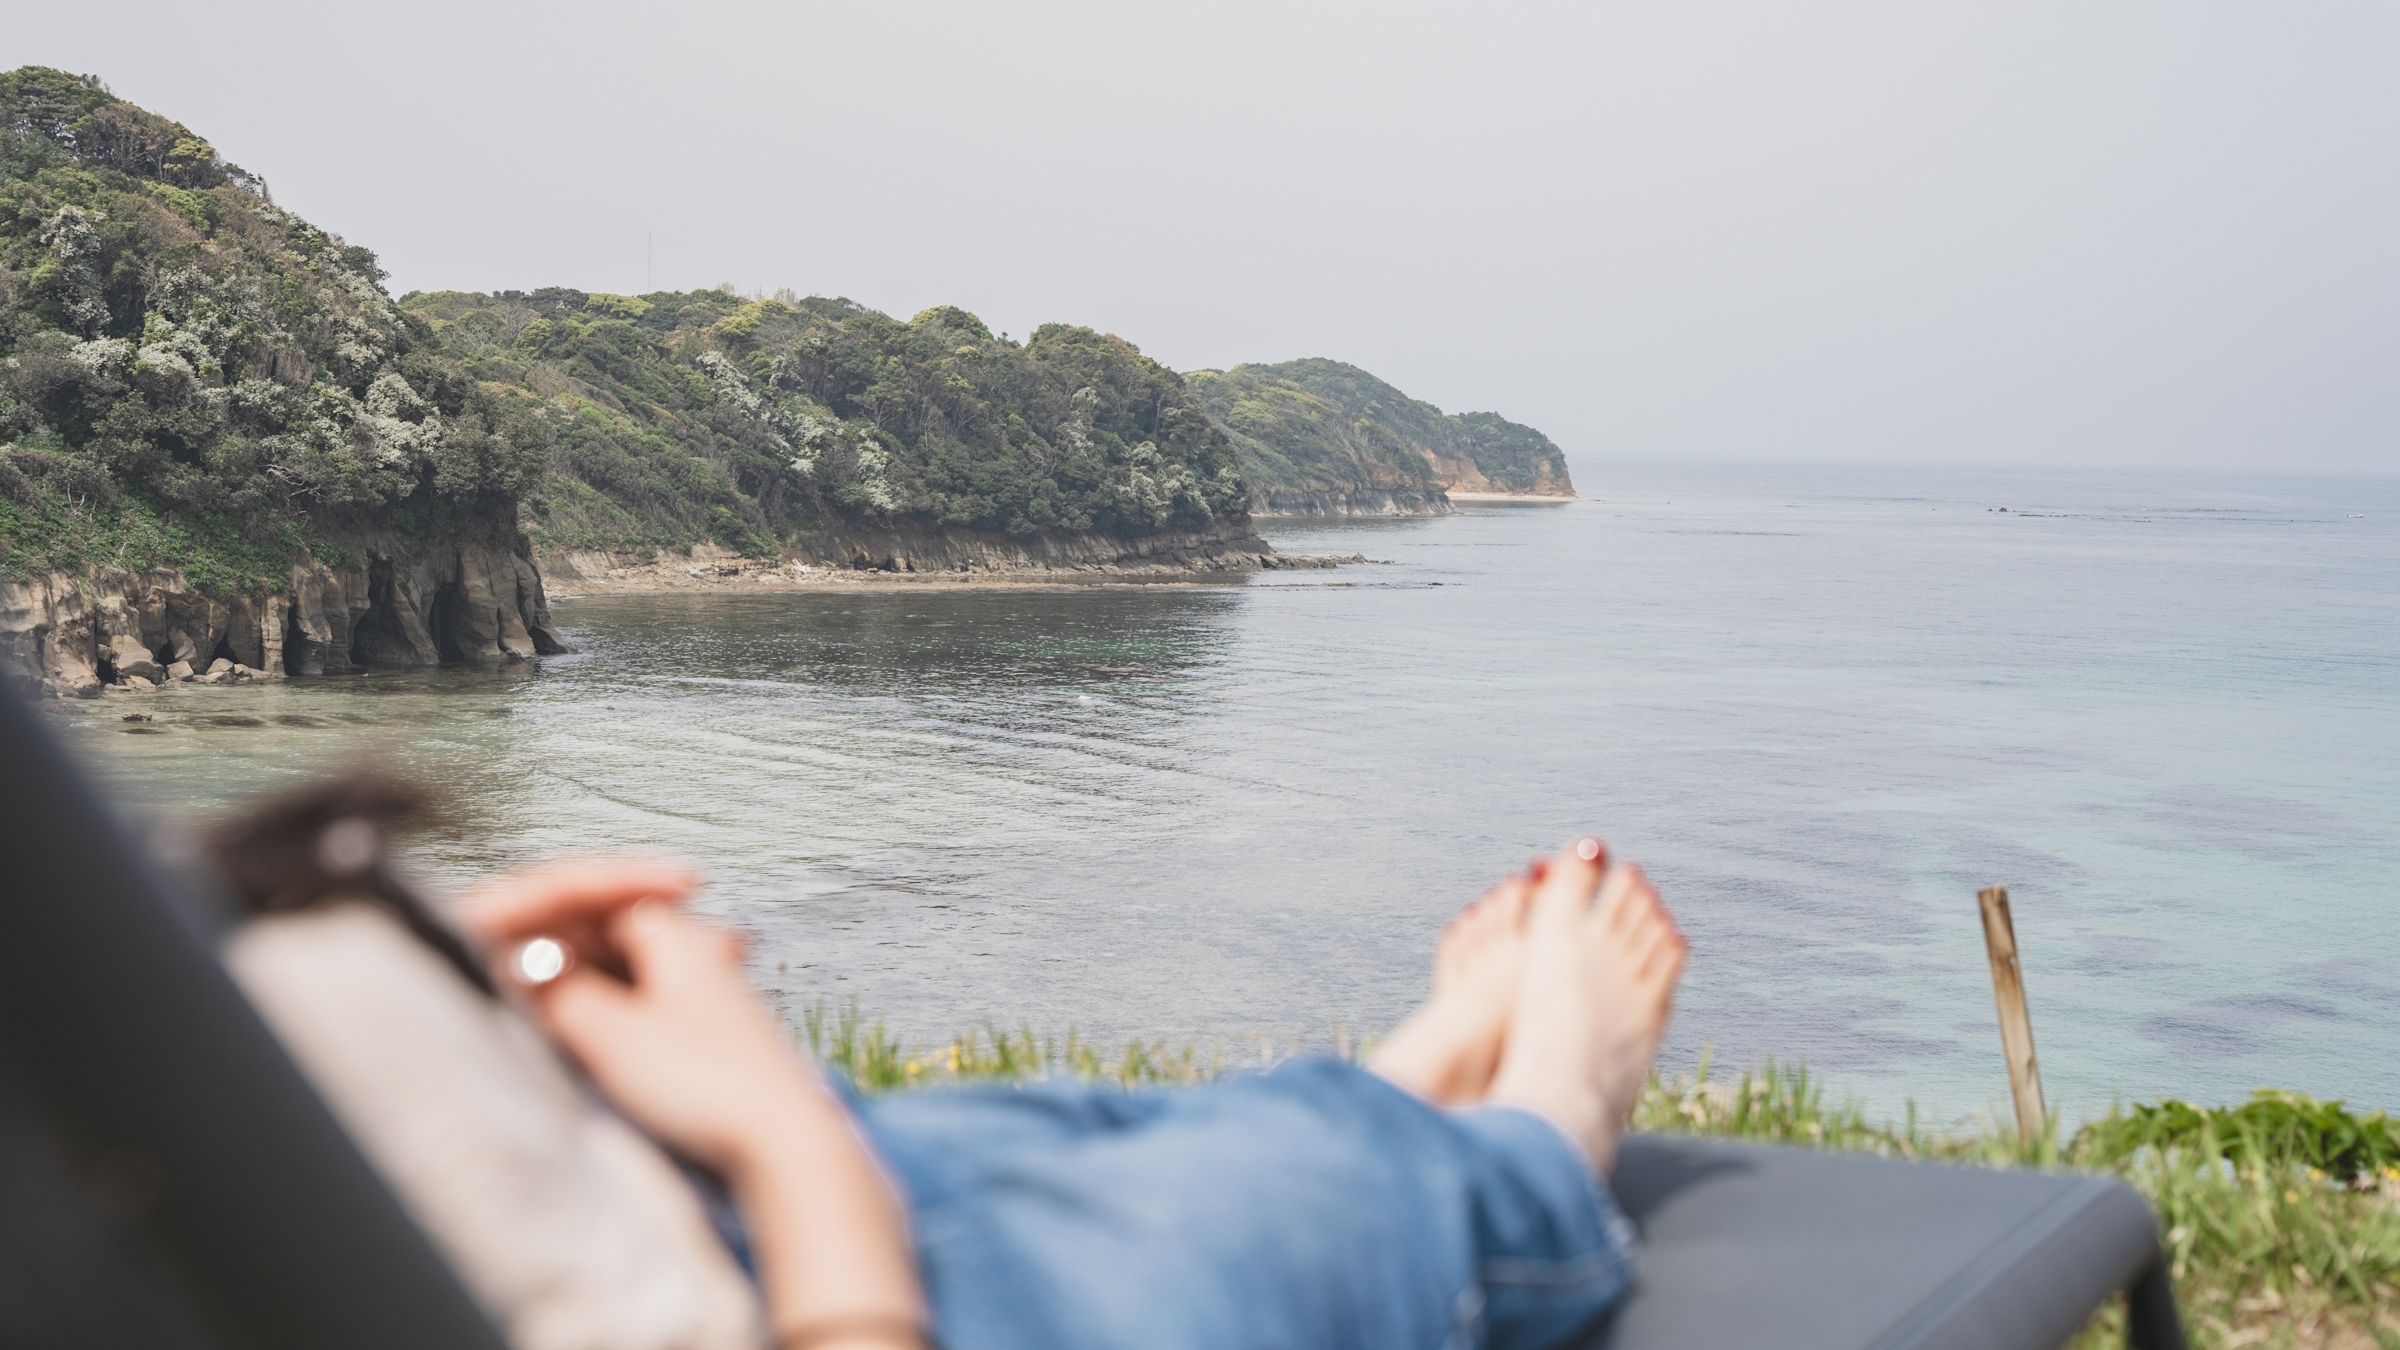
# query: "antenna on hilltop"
{"type": "Point", "coordinates": [648, 250]}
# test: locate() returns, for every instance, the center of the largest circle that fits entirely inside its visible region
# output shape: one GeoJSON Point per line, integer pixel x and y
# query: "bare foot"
{"type": "Point", "coordinates": [1447, 1050]}
{"type": "Point", "coordinates": [1599, 974]}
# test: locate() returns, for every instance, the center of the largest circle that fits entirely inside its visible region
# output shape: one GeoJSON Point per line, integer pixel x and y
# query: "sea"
{"type": "Point", "coordinates": [1823, 705]}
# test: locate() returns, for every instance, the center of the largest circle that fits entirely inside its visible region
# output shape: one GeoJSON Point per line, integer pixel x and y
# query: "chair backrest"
{"type": "Point", "coordinates": [161, 1153]}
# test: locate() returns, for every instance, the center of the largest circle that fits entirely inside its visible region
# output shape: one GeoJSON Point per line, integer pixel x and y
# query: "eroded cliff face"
{"type": "Point", "coordinates": [406, 603]}
{"type": "Point", "coordinates": [1459, 474]}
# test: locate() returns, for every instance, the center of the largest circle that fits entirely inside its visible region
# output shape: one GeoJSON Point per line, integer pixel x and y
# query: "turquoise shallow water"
{"type": "Point", "coordinates": [1823, 705]}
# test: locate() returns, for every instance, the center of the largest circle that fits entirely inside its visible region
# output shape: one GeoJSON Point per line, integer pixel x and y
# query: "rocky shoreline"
{"type": "Point", "coordinates": [416, 603]}
{"type": "Point", "coordinates": [1531, 498]}
{"type": "Point", "coordinates": [1373, 502]}
{"type": "Point", "coordinates": [937, 559]}
{"type": "Point", "coordinates": [402, 603]}
{"type": "Point", "coordinates": [1291, 505]}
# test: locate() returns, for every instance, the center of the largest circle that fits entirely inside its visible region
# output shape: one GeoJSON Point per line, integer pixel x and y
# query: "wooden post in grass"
{"type": "Point", "coordinates": [2016, 1026]}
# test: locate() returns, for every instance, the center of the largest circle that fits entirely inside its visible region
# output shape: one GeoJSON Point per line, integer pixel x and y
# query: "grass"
{"type": "Point", "coordinates": [877, 1061]}
{"type": "Point", "coordinates": [2281, 1215]}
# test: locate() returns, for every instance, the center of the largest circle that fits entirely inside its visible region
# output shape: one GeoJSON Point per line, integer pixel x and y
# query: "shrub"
{"type": "Point", "coordinates": [168, 333]}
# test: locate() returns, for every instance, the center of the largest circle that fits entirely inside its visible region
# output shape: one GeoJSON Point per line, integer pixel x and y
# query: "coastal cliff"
{"type": "Point", "coordinates": [223, 441]}
{"type": "Point", "coordinates": [1500, 459]}
{"type": "Point", "coordinates": [398, 603]}
{"type": "Point", "coordinates": [223, 452]}
{"type": "Point", "coordinates": [1323, 438]}
{"type": "Point", "coordinates": [1303, 455]}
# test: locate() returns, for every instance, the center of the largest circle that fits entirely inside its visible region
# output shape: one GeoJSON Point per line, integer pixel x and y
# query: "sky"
{"type": "Point", "coordinates": [2132, 235]}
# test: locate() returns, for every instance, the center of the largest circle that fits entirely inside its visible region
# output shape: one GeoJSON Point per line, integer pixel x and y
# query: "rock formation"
{"type": "Point", "coordinates": [403, 604]}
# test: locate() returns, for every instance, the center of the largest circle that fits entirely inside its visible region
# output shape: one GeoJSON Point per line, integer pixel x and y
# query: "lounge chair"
{"type": "Point", "coordinates": [169, 1180]}
{"type": "Point", "coordinates": [1751, 1246]}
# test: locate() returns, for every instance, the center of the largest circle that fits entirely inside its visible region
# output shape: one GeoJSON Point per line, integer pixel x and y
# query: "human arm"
{"type": "Point", "coordinates": [683, 1046]}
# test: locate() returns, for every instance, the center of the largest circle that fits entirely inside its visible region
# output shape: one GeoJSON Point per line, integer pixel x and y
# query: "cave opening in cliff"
{"type": "Point", "coordinates": [448, 605]}
{"type": "Point", "coordinates": [301, 654]}
{"type": "Point", "coordinates": [383, 635]}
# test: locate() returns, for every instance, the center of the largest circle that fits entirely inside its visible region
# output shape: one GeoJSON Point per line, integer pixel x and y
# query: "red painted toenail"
{"type": "Point", "coordinates": [1537, 869]}
{"type": "Point", "coordinates": [1588, 848]}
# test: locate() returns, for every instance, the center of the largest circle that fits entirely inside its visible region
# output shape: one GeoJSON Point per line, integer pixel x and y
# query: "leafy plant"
{"type": "Point", "coordinates": [2274, 1128]}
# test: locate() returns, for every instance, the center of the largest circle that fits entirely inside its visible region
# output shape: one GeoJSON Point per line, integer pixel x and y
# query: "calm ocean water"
{"type": "Point", "coordinates": [1824, 705]}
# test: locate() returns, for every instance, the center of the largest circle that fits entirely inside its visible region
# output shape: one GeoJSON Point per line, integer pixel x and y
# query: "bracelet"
{"type": "Point", "coordinates": [890, 1327]}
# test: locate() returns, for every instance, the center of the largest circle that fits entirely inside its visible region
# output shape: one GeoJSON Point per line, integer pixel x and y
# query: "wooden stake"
{"type": "Point", "coordinates": [2016, 1025]}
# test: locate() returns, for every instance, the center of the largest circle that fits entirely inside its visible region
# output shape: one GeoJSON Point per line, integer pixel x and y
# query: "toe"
{"type": "Point", "coordinates": [1494, 917]}
{"type": "Point", "coordinates": [1663, 945]}
{"type": "Point", "coordinates": [1449, 958]}
{"type": "Point", "coordinates": [1620, 904]}
{"type": "Point", "coordinates": [1508, 900]}
{"type": "Point", "coordinates": [1563, 890]}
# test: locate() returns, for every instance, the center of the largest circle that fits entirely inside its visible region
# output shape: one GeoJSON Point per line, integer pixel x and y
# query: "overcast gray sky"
{"type": "Point", "coordinates": [2156, 234]}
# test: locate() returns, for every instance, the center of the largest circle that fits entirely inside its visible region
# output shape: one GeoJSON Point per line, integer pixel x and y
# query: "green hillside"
{"type": "Point", "coordinates": [1319, 425]}
{"type": "Point", "coordinates": [1291, 440]}
{"type": "Point", "coordinates": [748, 420]}
{"type": "Point", "coordinates": [192, 376]}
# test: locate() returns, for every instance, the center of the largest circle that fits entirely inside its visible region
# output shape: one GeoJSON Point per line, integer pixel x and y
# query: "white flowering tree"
{"type": "Point", "coordinates": [167, 329]}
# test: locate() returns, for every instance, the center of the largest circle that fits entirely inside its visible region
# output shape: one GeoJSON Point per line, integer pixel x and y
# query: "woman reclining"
{"type": "Point", "coordinates": [1450, 1193]}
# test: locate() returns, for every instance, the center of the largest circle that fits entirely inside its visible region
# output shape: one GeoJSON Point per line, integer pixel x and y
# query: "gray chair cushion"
{"type": "Point", "coordinates": [1801, 1250]}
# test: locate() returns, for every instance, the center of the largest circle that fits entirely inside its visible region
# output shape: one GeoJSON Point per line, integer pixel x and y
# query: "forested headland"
{"type": "Point", "coordinates": [750, 421]}
{"type": "Point", "coordinates": [217, 357]}
{"type": "Point", "coordinates": [204, 396]}
{"type": "Point", "coordinates": [210, 406]}
{"type": "Point", "coordinates": [1321, 437]}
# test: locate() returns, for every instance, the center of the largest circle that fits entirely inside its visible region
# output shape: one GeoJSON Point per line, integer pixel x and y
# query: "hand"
{"type": "Point", "coordinates": [683, 1046]}
{"type": "Point", "coordinates": [659, 1014]}
{"type": "Point", "coordinates": [572, 900]}
{"type": "Point", "coordinates": [656, 1010]}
